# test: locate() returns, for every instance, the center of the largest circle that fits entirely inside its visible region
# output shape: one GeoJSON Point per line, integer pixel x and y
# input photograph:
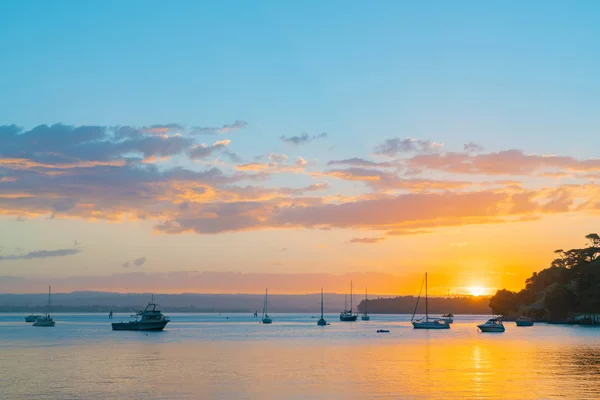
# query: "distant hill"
{"type": "Point", "coordinates": [436, 305]}
{"type": "Point", "coordinates": [90, 301]}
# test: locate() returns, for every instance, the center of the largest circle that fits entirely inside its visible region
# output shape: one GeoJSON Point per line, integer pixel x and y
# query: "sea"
{"type": "Point", "coordinates": [233, 356]}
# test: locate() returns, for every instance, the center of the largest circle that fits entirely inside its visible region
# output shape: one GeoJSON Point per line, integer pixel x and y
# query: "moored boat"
{"type": "Point", "coordinates": [347, 315]}
{"type": "Point", "coordinates": [321, 321]}
{"type": "Point", "coordinates": [492, 325]}
{"type": "Point", "coordinates": [426, 322]}
{"type": "Point", "coordinates": [46, 320]}
{"type": "Point", "coordinates": [265, 317]}
{"type": "Point", "coordinates": [150, 319]}
{"type": "Point", "coordinates": [524, 321]}
{"type": "Point", "coordinates": [32, 317]}
{"type": "Point", "coordinates": [365, 316]}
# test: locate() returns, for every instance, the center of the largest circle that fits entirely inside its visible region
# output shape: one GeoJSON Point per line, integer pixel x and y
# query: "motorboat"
{"type": "Point", "coordinates": [524, 321]}
{"type": "Point", "coordinates": [492, 325]}
{"type": "Point", "coordinates": [448, 318]}
{"type": "Point", "coordinates": [426, 322]}
{"type": "Point", "coordinates": [150, 319]}
{"type": "Point", "coordinates": [32, 317]}
{"type": "Point", "coordinates": [46, 320]}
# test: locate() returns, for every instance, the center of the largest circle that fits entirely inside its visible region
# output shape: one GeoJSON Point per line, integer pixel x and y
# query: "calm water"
{"type": "Point", "coordinates": [206, 356]}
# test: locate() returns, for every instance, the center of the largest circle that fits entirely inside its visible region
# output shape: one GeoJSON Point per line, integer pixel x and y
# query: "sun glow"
{"type": "Point", "coordinates": [476, 290]}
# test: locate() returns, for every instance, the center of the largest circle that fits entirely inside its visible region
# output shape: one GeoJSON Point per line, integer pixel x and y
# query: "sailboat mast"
{"type": "Point", "coordinates": [321, 303]}
{"type": "Point", "coordinates": [266, 301]}
{"type": "Point", "coordinates": [350, 297]}
{"type": "Point", "coordinates": [366, 301]}
{"type": "Point", "coordinates": [49, 290]}
{"type": "Point", "coordinates": [345, 301]}
{"type": "Point", "coordinates": [426, 310]}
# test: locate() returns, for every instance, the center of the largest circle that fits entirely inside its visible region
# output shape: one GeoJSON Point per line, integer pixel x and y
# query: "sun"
{"type": "Point", "coordinates": [476, 290]}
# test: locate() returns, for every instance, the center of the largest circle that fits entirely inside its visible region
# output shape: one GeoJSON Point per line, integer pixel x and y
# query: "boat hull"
{"type": "Point", "coordinates": [429, 325]}
{"type": "Point", "coordinates": [348, 318]}
{"type": "Point", "coordinates": [524, 323]}
{"type": "Point", "coordinates": [32, 318]}
{"type": "Point", "coordinates": [43, 323]}
{"type": "Point", "coordinates": [365, 318]}
{"type": "Point", "coordinates": [497, 329]}
{"type": "Point", "coordinates": [139, 326]}
{"type": "Point", "coordinates": [321, 322]}
{"type": "Point", "coordinates": [267, 321]}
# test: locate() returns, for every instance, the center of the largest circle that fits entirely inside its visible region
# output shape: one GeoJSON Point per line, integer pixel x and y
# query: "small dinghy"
{"type": "Point", "coordinates": [383, 331]}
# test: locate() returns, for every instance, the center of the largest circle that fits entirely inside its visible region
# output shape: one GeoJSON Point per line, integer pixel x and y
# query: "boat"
{"type": "Point", "coordinates": [149, 319]}
{"type": "Point", "coordinates": [449, 318]}
{"type": "Point", "coordinates": [32, 317]}
{"type": "Point", "coordinates": [365, 316]}
{"type": "Point", "coordinates": [45, 320]}
{"type": "Point", "coordinates": [383, 331]}
{"type": "Point", "coordinates": [524, 321]}
{"type": "Point", "coordinates": [321, 321]}
{"type": "Point", "coordinates": [265, 317]}
{"type": "Point", "coordinates": [492, 325]}
{"type": "Point", "coordinates": [347, 315]}
{"type": "Point", "coordinates": [426, 322]}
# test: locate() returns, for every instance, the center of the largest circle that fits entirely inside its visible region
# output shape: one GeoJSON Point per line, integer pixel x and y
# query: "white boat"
{"type": "Point", "coordinates": [265, 317]}
{"type": "Point", "coordinates": [321, 321]}
{"type": "Point", "coordinates": [32, 317]}
{"type": "Point", "coordinates": [524, 321]}
{"type": "Point", "coordinates": [150, 319]}
{"type": "Point", "coordinates": [426, 322]}
{"type": "Point", "coordinates": [449, 318]}
{"type": "Point", "coordinates": [492, 325]}
{"type": "Point", "coordinates": [46, 320]}
{"type": "Point", "coordinates": [347, 315]}
{"type": "Point", "coordinates": [365, 316]}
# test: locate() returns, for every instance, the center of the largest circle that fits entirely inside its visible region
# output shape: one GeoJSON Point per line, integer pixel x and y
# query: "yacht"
{"type": "Point", "coordinates": [365, 316]}
{"type": "Point", "coordinates": [492, 325]}
{"type": "Point", "coordinates": [347, 315]}
{"type": "Point", "coordinates": [150, 319]}
{"type": "Point", "coordinates": [32, 317]}
{"type": "Point", "coordinates": [524, 321]}
{"type": "Point", "coordinates": [265, 317]}
{"type": "Point", "coordinates": [426, 322]}
{"type": "Point", "coordinates": [321, 321]}
{"type": "Point", "coordinates": [46, 320]}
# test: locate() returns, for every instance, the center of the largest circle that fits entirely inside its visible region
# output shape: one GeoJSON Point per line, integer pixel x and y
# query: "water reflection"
{"type": "Point", "coordinates": [347, 362]}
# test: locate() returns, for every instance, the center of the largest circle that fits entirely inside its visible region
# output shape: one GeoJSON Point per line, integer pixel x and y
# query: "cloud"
{"type": "Point", "coordinates": [391, 147]}
{"type": "Point", "coordinates": [367, 240]}
{"type": "Point", "coordinates": [41, 254]}
{"type": "Point", "coordinates": [361, 162]}
{"type": "Point", "coordinates": [301, 162]}
{"type": "Point", "coordinates": [507, 162]}
{"type": "Point", "coordinates": [472, 148]}
{"type": "Point", "coordinates": [203, 151]}
{"type": "Point", "coordinates": [302, 139]}
{"type": "Point", "coordinates": [238, 124]}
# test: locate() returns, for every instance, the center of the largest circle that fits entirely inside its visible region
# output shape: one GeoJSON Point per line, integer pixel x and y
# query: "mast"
{"type": "Point", "coordinates": [266, 303]}
{"type": "Point", "coordinates": [366, 302]}
{"type": "Point", "coordinates": [426, 311]}
{"type": "Point", "coordinates": [350, 297]}
{"type": "Point", "coordinates": [321, 303]}
{"type": "Point", "coordinates": [49, 290]}
{"type": "Point", "coordinates": [345, 302]}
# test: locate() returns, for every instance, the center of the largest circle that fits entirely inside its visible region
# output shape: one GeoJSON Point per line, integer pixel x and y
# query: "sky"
{"type": "Point", "coordinates": [224, 147]}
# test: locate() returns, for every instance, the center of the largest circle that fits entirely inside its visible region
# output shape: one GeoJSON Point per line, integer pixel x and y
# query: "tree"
{"type": "Point", "coordinates": [559, 301]}
{"type": "Point", "coordinates": [504, 302]}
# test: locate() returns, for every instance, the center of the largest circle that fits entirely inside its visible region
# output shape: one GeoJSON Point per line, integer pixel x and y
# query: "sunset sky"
{"type": "Point", "coordinates": [228, 146]}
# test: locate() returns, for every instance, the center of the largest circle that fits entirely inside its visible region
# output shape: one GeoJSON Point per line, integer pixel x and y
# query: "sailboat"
{"type": "Point", "coordinates": [365, 316]}
{"type": "Point", "coordinates": [265, 317]}
{"type": "Point", "coordinates": [46, 320]}
{"type": "Point", "coordinates": [347, 315]}
{"type": "Point", "coordinates": [433, 323]}
{"type": "Point", "coordinates": [321, 321]}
